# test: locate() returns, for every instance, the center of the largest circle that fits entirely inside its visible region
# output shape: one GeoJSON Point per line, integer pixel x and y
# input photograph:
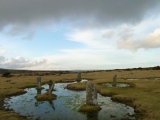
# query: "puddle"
{"type": "Point", "coordinates": [117, 84]}
{"type": "Point", "coordinates": [154, 79]}
{"type": "Point", "coordinates": [143, 79]}
{"type": "Point", "coordinates": [132, 79]}
{"type": "Point", "coordinates": [65, 106]}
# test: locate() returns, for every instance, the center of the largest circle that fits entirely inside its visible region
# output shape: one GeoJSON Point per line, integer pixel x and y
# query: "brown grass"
{"type": "Point", "coordinates": [77, 86]}
{"type": "Point", "coordinates": [45, 97]}
{"type": "Point", "coordinates": [144, 96]}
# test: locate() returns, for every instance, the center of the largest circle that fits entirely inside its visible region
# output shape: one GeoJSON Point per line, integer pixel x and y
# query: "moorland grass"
{"type": "Point", "coordinates": [89, 108]}
{"type": "Point", "coordinates": [144, 96]}
{"type": "Point", "coordinates": [46, 97]}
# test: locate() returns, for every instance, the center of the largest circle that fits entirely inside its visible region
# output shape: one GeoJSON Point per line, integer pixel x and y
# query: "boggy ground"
{"type": "Point", "coordinates": [144, 95]}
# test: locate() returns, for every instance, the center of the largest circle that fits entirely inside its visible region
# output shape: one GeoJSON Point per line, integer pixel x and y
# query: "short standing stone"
{"type": "Point", "coordinates": [91, 94]}
{"type": "Point", "coordinates": [114, 81]}
{"type": "Point", "coordinates": [78, 79]}
{"type": "Point", "coordinates": [38, 82]}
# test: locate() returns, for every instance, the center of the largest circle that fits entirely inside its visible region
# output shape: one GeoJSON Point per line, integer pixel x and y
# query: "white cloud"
{"type": "Point", "coordinates": [20, 62]}
{"type": "Point", "coordinates": [93, 59]}
{"type": "Point", "coordinates": [150, 41]}
{"type": "Point", "coordinates": [94, 38]}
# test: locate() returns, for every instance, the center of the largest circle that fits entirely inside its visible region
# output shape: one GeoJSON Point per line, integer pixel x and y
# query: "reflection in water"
{"type": "Point", "coordinates": [52, 105]}
{"type": "Point", "coordinates": [39, 91]}
{"type": "Point", "coordinates": [66, 106]}
{"type": "Point", "coordinates": [92, 116]}
{"type": "Point", "coordinates": [37, 103]}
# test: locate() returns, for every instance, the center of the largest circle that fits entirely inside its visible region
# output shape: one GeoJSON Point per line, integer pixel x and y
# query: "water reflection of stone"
{"type": "Point", "coordinates": [52, 104]}
{"type": "Point", "coordinates": [39, 91]}
{"type": "Point", "coordinates": [36, 104]}
{"type": "Point", "coordinates": [92, 116]}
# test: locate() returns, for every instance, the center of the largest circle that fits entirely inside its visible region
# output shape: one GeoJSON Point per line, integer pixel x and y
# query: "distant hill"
{"type": "Point", "coordinates": [14, 71]}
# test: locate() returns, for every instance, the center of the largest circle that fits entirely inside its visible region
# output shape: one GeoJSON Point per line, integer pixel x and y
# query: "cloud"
{"type": "Point", "coordinates": [24, 15]}
{"type": "Point", "coordinates": [20, 62]}
{"type": "Point", "coordinates": [88, 59]}
{"type": "Point", "coordinates": [150, 41]}
{"type": "Point", "coordinates": [94, 38]}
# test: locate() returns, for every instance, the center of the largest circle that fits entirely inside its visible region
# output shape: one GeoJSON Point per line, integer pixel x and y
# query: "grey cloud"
{"type": "Point", "coordinates": [108, 34]}
{"type": "Point", "coordinates": [20, 62]}
{"type": "Point", "coordinates": [28, 13]}
{"type": "Point", "coordinates": [126, 32]}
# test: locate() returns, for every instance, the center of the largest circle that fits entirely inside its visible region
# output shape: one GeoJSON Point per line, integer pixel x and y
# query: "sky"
{"type": "Point", "coordinates": [79, 34]}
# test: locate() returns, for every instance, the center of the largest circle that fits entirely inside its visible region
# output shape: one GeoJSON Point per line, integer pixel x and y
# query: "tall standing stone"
{"type": "Point", "coordinates": [91, 94]}
{"type": "Point", "coordinates": [114, 81]}
{"type": "Point", "coordinates": [78, 79]}
{"type": "Point", "coordinates": [38, 82]}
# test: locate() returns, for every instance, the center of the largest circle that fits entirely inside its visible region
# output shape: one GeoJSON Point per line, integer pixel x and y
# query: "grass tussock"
{"type": "Point", "coordinates": [89, 108]}
{"type": "Point", "coordinates": [45, 97]}
{"type": "Point", "coordinates": [10, 116]}
{"type": "Point", "coordinates": [77, 86]}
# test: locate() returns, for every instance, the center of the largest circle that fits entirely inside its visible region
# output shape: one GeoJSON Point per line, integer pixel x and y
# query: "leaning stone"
{"type": "Point", "coordinates": [51, 86]}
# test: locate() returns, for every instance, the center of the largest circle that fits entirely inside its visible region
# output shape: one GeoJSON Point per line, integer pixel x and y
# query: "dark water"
{"type": "Point", "coordinates": [66, 106]}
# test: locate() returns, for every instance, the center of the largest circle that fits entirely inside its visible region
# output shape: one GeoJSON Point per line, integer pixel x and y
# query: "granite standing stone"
{"type": "Point", "coordinates": [78, 79]}
{"type": "Point", "coordinates": [114, 81]}
{"type": "Point", "coordinates": [91, 94]}
{"type": "Point", "coordinates": [38, 82]}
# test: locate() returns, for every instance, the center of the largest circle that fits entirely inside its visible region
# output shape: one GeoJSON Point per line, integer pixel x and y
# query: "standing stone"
{"type": "Point", "coordinates": [38, 82]}
{"type": "Point", "coordinates": [78, 77]}
{"type": "Point", "coordinates": [91, 94]}
{"type": "Point", "coordinates": [114, 81]}
{"type": "Point", "coordinates": [51, 86]}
